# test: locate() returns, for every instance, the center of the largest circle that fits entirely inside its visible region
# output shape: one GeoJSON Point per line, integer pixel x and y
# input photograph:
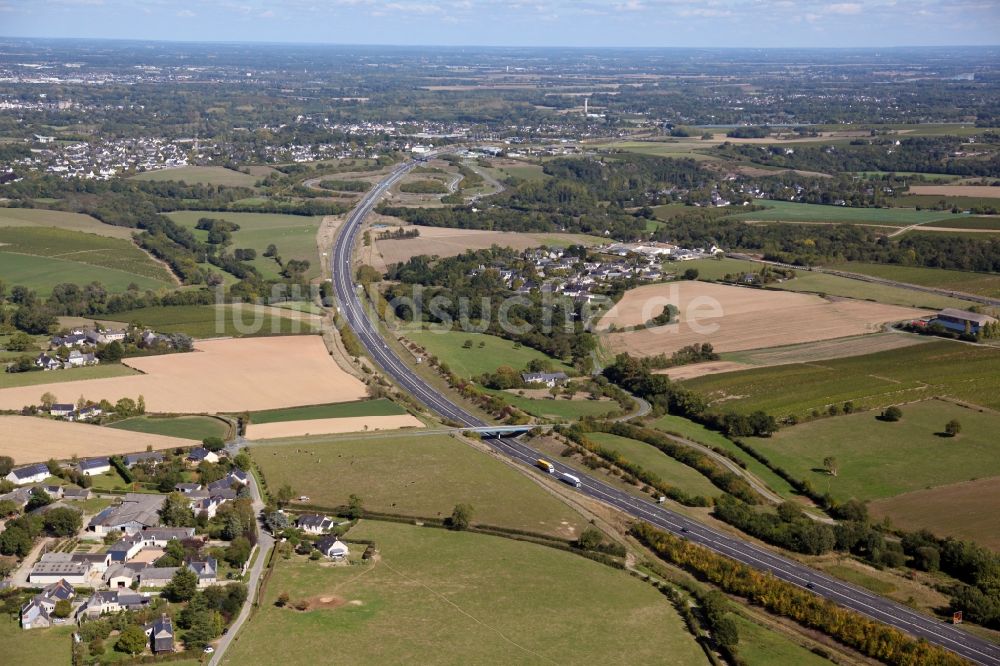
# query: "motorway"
{"type": "Point", "coordinates": [858, 599]}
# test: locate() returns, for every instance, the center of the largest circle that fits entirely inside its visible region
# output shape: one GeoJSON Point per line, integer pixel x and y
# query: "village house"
{"type": "Point", "coordinates": [61, 409]}
{"type": "Point", "coordinates": [136, 512]}
{"type": "Point", "coordinates": [30, 474]}
{"type": "Point", "coordinates": [200, 453]}
{"type": "Point", "coordinates": [333, 548]}
{"type": "Point", "coordinates": [46, 362]}
{"type": "Point", "coordinates": [206, 571]}
{"type": "Point", "coordinates": [187, 488]}
{"type": "Point", "coordinates": [314, 523]}
{"type": "Point", "coordinates": [76, 493]}
{"type": "Point", "coordinates": [155, 576]}
{"type": "Point", "coordinates": [94, 466]}
{"type": "Point", "coordinates": [133, 459]}
{"type": "Point", "coordinates": [112, 601]}
{"type": "Point", "coordinates": [38, 613]}
{"type": "Point", "coordinates": [548, 379]}
{"type": "Point", "coordinates": [87, 413]}
{"type": "Point", "coordinates": [78, 359]}
{"type": "Point", "coordinates": [161, 635]}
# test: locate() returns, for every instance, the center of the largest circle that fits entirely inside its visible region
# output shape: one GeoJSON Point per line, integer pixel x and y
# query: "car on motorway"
{"type": "Point", "coordinates": [809, 586]}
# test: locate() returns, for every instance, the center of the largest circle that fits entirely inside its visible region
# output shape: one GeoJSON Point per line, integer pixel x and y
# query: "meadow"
{"type": "Point", "coordinates": [443, 597]}
{"type": "Point", "coordinates": [653, 460]}
{"type": "Point", "coordinates": [939, 368]}
{"type": "Point", "coordinates": [688, 148]}
{"type": "Point", "coordinates": [37, 647]}
{"type": "Point", "coordinates": [879, 459]}
{"type": "Point", "coordinates": [487, 353]}
{"type": "Point", "coordinates": [965, 510]}
{"type": "Point", "coordinates": [557, 410]}
{"type": "Point", "coordinates": [424, 475]}
{"type": "Point", "coordinates": [210, 175]}
{"type": "Point", "coordinates": [294, 236]}
{"type": "Point", "coordinates": [39, 217]}
{"type": "Point", "coordinates": [789, 211]}
{"type": "Point", "coordinates": [185, 427]}
{"type": "Point", "coordinates": [34, 378]}
{"type": "Point", "coordinates": [205, 321]}
{"type": "Point", "coordinates": [983, 284]}
{"type": "Point", "coordinates": [380, 407]}
{"type": "Point", "coordinates": [760, 646]}
{"type": "Point", "coordinates": [41, 257]}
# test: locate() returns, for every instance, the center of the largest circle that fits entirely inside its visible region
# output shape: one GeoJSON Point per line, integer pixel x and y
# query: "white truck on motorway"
{"type": "Point", "coordinates": [570, 479]}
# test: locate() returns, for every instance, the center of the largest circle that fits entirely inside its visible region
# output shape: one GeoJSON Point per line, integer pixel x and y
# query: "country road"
{"type": "Point", "coordinates": [747, 552]}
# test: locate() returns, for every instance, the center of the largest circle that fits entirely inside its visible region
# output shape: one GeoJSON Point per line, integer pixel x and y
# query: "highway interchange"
{"type": "Point", "coordinates": [858, 599]}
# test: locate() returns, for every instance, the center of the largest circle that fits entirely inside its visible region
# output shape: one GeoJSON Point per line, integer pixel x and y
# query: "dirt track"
{"type": "Point", "coordinates": [331, 426]}
{"type": "Point", "coordinates": [220, 376]}
{"type": "Point", "coordinates": [736, 318]}
{"type": "Point", "coordinates": [33, 439]}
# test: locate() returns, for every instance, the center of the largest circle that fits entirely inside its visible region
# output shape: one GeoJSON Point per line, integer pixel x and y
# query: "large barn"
{"type": "Point", "coordinates": [962, 321]}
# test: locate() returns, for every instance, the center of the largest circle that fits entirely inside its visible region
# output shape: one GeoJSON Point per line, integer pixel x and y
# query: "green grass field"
{"type": "Point", "coordinates": [559, 410]}
{"type": "Point", "coordinates": [102, 371]}
{"type": "Point", "coordinates": [984, 284]}
{"type": "Point", "coordinates": [294, 236]}
{"type": "Point", "coordinates": [38, 217]}
{"type": "Point", "coordinates": [760, 646]}
{"type": "Point", "coordinates": [202, 321]}
{"type": "Point", "coordinates": [185, 427]}
{"type": "Point", "coordinates": [822, 283]}
{"type": "Point", "coordinates": [380, 407]}
{"type": "Point", "coordinates": [212, 175]}
{"type": "Point", "coordinates": [424, 475]}
{"type": "Point", "coordinates": [37, 647]}
{"type": "Point", "coordinates": [879, 459]}
{"type": "Point", "coordinates": [524, 172]}
{"type": "Point", "coordinates": [41, 257]}
{"type": "Point", "coordinates": [678, 425]}
{"type": "Point", "coordinates": [942, 368]}
{"type": "Point", "coordinates": [788, 211]}
{"type": "Point", "coordinates": [970, 222]}
{"type": "Point", "coordinates": [445, 597]}
{"type": "Point", "coordinates": [653, 460]}
{"type": "Point", "coordinates": [938, 200]}
{"type": "Point", "coordinates": [684, 148]}
{"type": "Point", "coordinates": [477, 360]}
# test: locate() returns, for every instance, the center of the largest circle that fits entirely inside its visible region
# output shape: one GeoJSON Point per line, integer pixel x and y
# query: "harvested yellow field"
{"type": "Point", "coordinates": [737, 318]}
{"type": "Point", "coordinates": [331, 426]}
{"type": "Point", "coordinates": [229, 375]}
{"type": "Point", "coordinates": [701, 369]}
{"type": "Point", "coordinates": [29, 439]}
{"type": "Point", "coordinates": [445, 242]}
{"type": "Point", "coordinates": [982, 191]}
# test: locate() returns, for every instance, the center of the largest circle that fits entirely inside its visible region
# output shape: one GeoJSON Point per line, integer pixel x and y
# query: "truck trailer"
{"type": "Point", "coordinates": [570, 480]}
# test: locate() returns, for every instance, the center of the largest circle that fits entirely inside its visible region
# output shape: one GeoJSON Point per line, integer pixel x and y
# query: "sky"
{"type": "Point", "coordinates": [591, 23]}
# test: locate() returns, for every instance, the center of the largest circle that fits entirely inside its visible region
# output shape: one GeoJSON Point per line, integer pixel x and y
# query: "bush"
{"type": "Point", "coordinates": [892, 414]}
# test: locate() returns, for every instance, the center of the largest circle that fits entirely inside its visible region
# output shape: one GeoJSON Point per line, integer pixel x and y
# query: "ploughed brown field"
{"type": "Point", "coordinates": [982, 191]}
{"type": "Point", "coordinates": [229, 375]}
{"type": "Point", "coordinates": [32, 439]}
{"type": "Point", "coordinates": [736, 318]}
{"type": "Point", "coordinates": [331, 426]}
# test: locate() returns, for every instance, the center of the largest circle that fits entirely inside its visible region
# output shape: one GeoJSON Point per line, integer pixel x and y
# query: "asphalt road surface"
{"type": "Point", "coordinates": [860, 600]}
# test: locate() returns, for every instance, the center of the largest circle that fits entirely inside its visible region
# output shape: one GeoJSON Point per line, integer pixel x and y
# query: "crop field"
{"type": "Point", "coordinates": [939, 368]}
{"type": "Point", "coordinates": [880, 459]}
{"type": "Point", "coordinates": [33, 439]}
{"type": "Point", "coordinates": [380, 407]}
{"type": "Point", "coordinates": [559, 410]}
{"type": "Point", "coordinates": [16, 379]}
{"type": "Point", "coordinates": [825, 284]}
{"type": "Point", "coordinates": [690, 148]}
{"type": "Point", "coordinates": [333, 426]}
{"type": "Point", "coordinates": [41, 257]}
{"type": "Point", "coordinates": [294, 236]}
{"type": "Point", "coordinates": [985, 191]}
{"type": "Point", "coordinates": [219, 376]}
{"type": "Point", "coordinates": [185, 427]}
{"type": "Point", "coordinates": [211, 175]}
{"type": "Point", "coordinates": [787, 211]}
{"type": "Point", "coordinates": [443, 597]}
{"type": "Point", "coordinates": [653, 460]}
{"type": "Point", "coordinates": [965, 510]}
{"type": "Point", "coordinates": [445, 242]}
{"type": "Point", "coordinates": [983, 284]}
{"type": "Point", "coordinates": [476, 360]}
{"type": "Point", "coordinates": [38, 217]}
{"type": "Point", "coordinates": [207, 321]}
{"type": "Point", "coordinates": [419, 476]}
{"type": "Point", "coordinates": [817, 351]}
{"type": "Point", "coordinates": [946, 203]}
{"type": "Point", "coordinates": [737, 318]}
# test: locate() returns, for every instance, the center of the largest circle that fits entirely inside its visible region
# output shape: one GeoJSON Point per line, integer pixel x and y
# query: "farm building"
{"type": "Point", "coordinates": [137, 511]}
{"type": "Point", "coordinates": [961, 321]}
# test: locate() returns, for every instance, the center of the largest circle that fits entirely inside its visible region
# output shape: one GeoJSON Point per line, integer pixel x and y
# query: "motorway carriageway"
{"type": "Point", "coordinates": [858, 599]}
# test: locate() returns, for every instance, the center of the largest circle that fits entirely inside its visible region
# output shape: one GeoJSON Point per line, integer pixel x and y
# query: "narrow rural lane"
{"type": "Point", "coordinates": [265, 542]}
{"type": "Point", "coordinates": [747, 552]}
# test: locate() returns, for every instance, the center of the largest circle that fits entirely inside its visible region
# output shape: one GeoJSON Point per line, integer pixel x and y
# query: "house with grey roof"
{"type": "Point", "coordinates": [94, 466]}
{"type": "Point", "coordinates": [314, 523]}
{"type": "Point", "coordinates": [206, 570]}
{"type": "Point", "coordinates": [136, 512]}
{"type": "Point", "coordinates": [112, 601]}
{"type": "Point", "coordinates": [155, 576]}
{"type": "Point", "coordinates": [333, 548]}
{"type": "Point", "coordinates": [38, 612]}
{"type": "Point", "coordinates": [161, 635]}
{"type": "Point", "coordinates": [133, 459]}
{"type": "Point", "coordinates": [30, 474]}
{"type": "Point", "coordinates": [548, 379]}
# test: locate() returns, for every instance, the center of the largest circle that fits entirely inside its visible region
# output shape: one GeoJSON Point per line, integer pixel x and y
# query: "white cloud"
{"type": "Point", "coordinates": [846, 8]}
{"type": "Point", "coordinates": [186, 13]}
